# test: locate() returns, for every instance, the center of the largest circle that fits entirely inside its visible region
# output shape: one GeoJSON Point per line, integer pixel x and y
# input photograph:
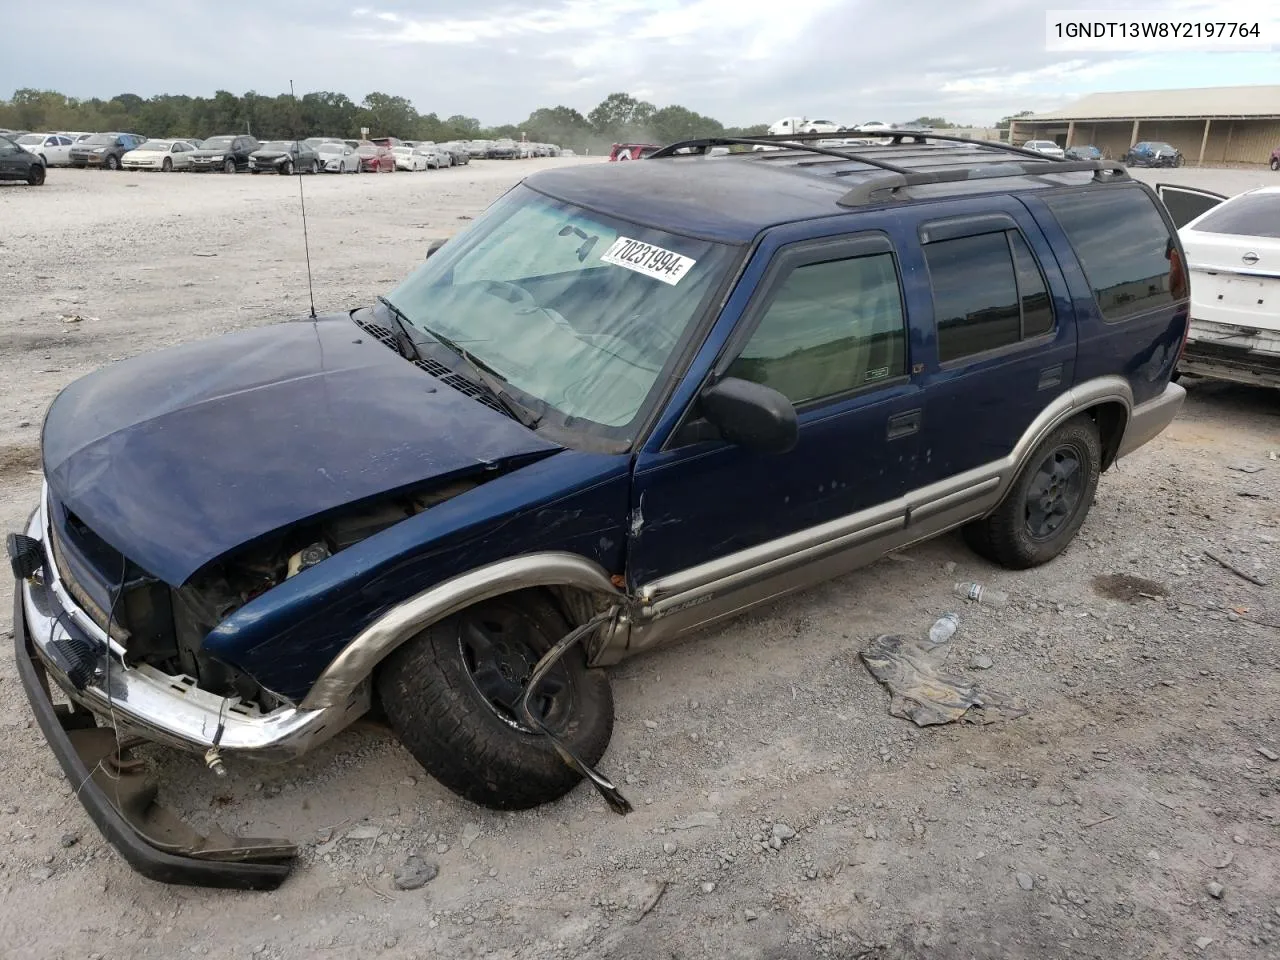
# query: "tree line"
{"type": "Point", "coordinates": [619, 117]}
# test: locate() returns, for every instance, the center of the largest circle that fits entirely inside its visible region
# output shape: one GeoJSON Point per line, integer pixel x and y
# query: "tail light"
{"type": "Point", "coordinates": [1179, 287]}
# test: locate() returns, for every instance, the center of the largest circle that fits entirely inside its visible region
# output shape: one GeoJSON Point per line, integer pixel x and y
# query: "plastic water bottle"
{"type": "Point", "coordinates": [944, 628]}
{"type": "Point", "coordinates": [980, 594]}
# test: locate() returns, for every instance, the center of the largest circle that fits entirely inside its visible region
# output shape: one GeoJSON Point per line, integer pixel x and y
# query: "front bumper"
{"type": "Point", "coordinates": [171, 710]}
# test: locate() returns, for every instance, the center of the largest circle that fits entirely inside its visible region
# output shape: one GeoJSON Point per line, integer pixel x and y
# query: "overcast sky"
{"type": "Point", "coordinates": [740, 61]}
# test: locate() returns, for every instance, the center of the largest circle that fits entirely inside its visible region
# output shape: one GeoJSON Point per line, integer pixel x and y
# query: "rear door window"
{"type": "Point", "coordinates": [1123, 244]}
{"type": "Point", "coordinates": [988, 293]}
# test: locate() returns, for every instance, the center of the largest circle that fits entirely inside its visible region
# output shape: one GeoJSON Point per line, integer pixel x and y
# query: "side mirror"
{"type": "Point", "coordinates": [751, 415]}
{"type": "Point", "coordinates": [434, 247]}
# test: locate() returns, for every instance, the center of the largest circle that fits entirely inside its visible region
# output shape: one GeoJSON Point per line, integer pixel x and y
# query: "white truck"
{"type": "Point", "coordinates": [803, 125]}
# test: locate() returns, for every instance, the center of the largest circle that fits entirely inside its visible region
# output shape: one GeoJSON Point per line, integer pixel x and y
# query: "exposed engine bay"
{"type": "Point", "coordinates": [165, 626]}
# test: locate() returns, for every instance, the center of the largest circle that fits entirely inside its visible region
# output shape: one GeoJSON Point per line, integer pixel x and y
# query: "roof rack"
{"type": "Point", "coordinates": [895, 177]}
{"type": "Point", "coordinates": [1104, 171]}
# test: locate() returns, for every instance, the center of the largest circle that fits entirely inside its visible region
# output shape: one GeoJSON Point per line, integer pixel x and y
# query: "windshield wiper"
{"type": "Point", "coordinates": [491, 380]}
{"type": "Point", "coordinates": [404, 340]}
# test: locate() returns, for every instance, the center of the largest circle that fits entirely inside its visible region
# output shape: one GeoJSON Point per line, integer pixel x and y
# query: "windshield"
{"type": "Point", "coordinates": [1163, 148]}
{"type": "Point", "coordinates": [403, 150]}
{"type": "Point", "coordinates": [576, 310]}
{"type": "Point", "coordinates": [332, 148]}
{"type": "Point", "coordinates": [32, 138]}
{"type": "Point", "coordinates": [277, 146]}
{"type": "Point", "coordinates": [218, 143]}
{"type": "Point", "coordinates": [368, 151]}
{"type": "Point", "coordinates": [99, 139]}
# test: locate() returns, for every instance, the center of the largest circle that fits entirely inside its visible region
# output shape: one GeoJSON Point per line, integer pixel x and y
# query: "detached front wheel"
{"type": "Point", "coordinates": [451, 695]}
{"type": "Point", "coordinates": [1048, 502]}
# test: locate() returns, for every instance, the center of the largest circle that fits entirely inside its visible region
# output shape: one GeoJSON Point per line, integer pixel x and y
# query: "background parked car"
{"type": "Point", "coordinates": [104, 149]}
{"type": "Point", "coordinates": [478, 149]}
{"type": "Point", "coordinates": [163, 155]}
{"type": "Point", "coordinates": [18, 164]}
{"type": "Point", "coordinates": [1233, 264]}
{"type": "Point", "coordinates": [53, 148]}
{"type": "Point", "coordinates": [1085, 152]}
{"type": "Point", "coordinates": [1153, 153]}
{"type": "Point", "coordinates": [228, 153]}
{"type": "Point", "coordinates": [457, 150]}
{"type": "Point", "coordinates": [195, 142]}
{"type": "Point", "coordinates": [633, 151]}
{"type": "Point", "coordinates": [338, 157]}
{"type": "Point", "coordinates": [285, 157]}
{"type": "Point", "coordinates": [1045, 148]}
{"type": "Point", "coordinates": [434, 155]}
{"type": "Point", "coordinates": [504, 149]}
{"type": "Point", "coordinates": [375, 158]}
{"type": "Point", "coordinates": [412, 159]}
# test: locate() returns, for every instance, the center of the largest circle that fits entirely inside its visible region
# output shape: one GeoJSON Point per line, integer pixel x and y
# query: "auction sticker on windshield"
{"type": "Point", "coordinates": [665, 265]}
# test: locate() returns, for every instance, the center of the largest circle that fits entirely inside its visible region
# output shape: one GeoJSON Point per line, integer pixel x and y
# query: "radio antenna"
{"type": "Point", "coordinates": [302, 200]}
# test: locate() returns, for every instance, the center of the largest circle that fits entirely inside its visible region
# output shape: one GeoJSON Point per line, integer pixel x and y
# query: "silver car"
{"type": "Point", "coordinates": [435, 155]}
{"type": "Point", "coordinates": [338, 157]}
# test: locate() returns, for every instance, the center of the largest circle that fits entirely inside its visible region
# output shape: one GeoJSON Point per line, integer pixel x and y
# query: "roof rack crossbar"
{"type": "Point", "coordinates": [701, 145]}
{"type": "Point", "coordinates": [895, 136]}
{"type": "Point", "coordinates": [1104, 171]}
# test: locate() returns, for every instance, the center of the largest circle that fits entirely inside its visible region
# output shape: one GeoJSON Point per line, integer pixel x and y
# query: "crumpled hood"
{"type": "Point", "coordinates": [179, 456]}
{"type": "Point", "coordinates": [269, 155]}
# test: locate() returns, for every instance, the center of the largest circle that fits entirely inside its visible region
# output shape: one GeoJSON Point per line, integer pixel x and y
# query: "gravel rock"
{"type": "Point", "coordinates": [1202, 942]}
{"type": "Point", "coordinates": [982, 662]}
{"type": "Point", "coordinates": [668, 848]}
{"type": "Point", "coordinates": [414, 873]}
{"type": "Point", "coordinates": [749, 915]}
{"type": "Point", "coordinates": [40, 873]}
{"type": "Point", "coordinates": [708, 887]}
{"type": "Point", "coordinates": [1269, 754]}
{"type": "Point", "coordinates": [470, 834]}
{"type": "Point", "coordinates": [783, 832]}
{"type": "Point", "coordinates": [363, 832]}
{"type": "Point", "coordinates": [1215, 889]}
{"type": "Point", "coordinates": [1025, 880]}
{"type": "Point", "coordinates": [70, 839]}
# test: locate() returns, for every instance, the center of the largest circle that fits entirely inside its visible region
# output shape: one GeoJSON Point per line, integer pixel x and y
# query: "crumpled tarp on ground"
{"type": "Point", "coordinates": [923, 693]}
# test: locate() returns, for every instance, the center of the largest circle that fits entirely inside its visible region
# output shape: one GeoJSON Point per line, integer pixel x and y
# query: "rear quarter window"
{"type": "Point", "coordinates": [1123, 245]}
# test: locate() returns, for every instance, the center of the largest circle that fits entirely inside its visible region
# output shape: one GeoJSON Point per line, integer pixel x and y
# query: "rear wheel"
{"type": "Point", "coordinates": [112, 163]}
{"type": "Point", "coordinates": [451, 692]}
{"type": "Point", "coordinates": [1048, 502]}
{"type": "Point", "coordinates": [167, 166]}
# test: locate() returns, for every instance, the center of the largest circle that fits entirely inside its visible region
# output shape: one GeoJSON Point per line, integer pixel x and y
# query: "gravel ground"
{"type": "Point", "coordinates": [780, 811]}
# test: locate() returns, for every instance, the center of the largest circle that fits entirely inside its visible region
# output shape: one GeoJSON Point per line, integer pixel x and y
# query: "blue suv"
{"type": "Point", "coordinates": [628, 401]}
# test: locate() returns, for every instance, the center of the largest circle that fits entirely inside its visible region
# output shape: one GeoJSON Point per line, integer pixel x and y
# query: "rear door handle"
{"type": "Point", "coordinates": [905, 424]}
{"type": "Point", "coordinates": [1050, 377]}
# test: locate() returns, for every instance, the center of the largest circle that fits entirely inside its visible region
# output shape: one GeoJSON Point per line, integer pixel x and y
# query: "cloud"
{"type": "Point", "coordinates": [741, 61]}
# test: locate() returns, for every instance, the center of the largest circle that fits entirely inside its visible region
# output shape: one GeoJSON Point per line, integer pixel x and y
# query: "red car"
{"type": "Point", "coordinates": [633, 151]}
{"type": "Point", "coordinates": [376, 158]}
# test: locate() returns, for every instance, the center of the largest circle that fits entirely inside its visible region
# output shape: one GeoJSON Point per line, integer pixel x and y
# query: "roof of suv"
{"type": "Point", "coordinates": [732, 198]}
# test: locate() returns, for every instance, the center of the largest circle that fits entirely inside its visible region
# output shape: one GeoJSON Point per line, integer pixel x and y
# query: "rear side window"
{"type": "Point", "coordinates": [1252, 215]}
{"type": "Point", "coordinates": [831, 328]}
{"type": "Point", "coordinates": [988, 293]}
{"type": "Point", "coordinates": [1123, 245]}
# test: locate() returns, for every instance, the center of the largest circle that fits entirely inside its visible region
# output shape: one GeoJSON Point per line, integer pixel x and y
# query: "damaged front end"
{"type": "Point", "coordinates": [126, 650]}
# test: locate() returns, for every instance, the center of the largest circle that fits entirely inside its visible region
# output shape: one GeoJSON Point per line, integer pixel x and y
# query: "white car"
{"type": "Point", "coordinates": [338, 157]}
{"type": "Point", "coordinates": [434, 156]}
{"type": "Point", "coordinates": [1046, 148]}
{"type": "Point", "coordinates": [53, 148]}
{"type": "Point", "coordinates": [1233, 265]}
{"type": "Point", "coordinates": [163, 155]}
{"type": "Point", "coordinates": [410, 158]}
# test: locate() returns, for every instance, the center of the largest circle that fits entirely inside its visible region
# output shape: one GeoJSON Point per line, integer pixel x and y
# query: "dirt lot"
{"type": "Point", "coordinates": [1092, 827]}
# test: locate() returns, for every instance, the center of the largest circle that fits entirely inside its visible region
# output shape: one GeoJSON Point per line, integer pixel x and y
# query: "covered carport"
{"type": "Point", "coordinates": [1210, 125]}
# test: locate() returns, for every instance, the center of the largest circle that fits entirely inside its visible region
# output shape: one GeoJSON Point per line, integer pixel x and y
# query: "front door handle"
{"type": "Point", "coordinates": [905, 424]}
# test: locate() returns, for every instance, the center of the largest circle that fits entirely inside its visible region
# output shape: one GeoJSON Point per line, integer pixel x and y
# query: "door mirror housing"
{"type": "Point", "coordinates": [751, 415]}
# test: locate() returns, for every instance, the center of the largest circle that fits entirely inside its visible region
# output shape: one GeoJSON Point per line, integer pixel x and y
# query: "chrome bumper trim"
{"type": "Point", "coordinates": [168, 709]}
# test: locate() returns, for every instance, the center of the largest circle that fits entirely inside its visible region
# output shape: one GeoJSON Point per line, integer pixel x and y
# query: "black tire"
{"type": "Point", "coordinates": [36, 174]}
{"type": "Point", "coordinates": [112, 162]}
{"type": "Point", "coordinates": [286, 168]}
{"type": "Point", "coordinates": [1048, 502]}
{"type": "Point", "coordinates": [473, 746]}
{"type": "Point", "coordinates": [229, 165]}
{"type": "Point", "coordinates": [1275, 164]}
{"type": "Point", "coordinates": [167, 166]}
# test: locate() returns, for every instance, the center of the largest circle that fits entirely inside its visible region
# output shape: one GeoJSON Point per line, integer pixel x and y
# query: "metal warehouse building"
{"type": "Point", "coordinates": [1208, 124]}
